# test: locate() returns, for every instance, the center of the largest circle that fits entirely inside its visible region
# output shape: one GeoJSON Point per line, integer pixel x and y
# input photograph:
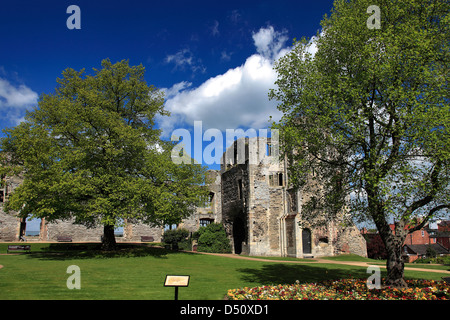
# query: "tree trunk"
{"type": "Point", "coordinates": [395, 266]}
{"type": "Point", "coordinates": [393, 242]}
{"type": "Point", "coordinates": [109, 240]}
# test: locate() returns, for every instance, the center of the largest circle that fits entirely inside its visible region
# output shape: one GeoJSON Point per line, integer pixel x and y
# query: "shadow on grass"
{"type": "Point", "coordinates": [273, 274]}
{"type": "Point", "coordinates": [65, 251]}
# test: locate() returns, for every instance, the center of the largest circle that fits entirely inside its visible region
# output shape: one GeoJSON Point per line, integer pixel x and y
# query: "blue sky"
{"type": "Point", "coordinates": [213, 59]}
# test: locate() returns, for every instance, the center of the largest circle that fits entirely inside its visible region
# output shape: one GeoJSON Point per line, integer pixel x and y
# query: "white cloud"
{"type": "Point", "coordinates": [16, 97]}
{"type": "Point", "coordinates": [176, 89]}
{"type": "Point", "coordinates": [236, 99]}
{"type": "Point", "coordinates": [270, 43]}
{"type": "Point", "coordinates": [185, 59]}
{"type": "Point", "coordinates": [15, 100]}
{"type": "Point", "coordinates": [312, 44]}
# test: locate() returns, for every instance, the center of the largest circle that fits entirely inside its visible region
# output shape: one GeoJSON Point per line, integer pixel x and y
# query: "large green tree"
{"type": "Point", "coordinates": [90, 151]}
{"type": "Point", "coordinates": [367, 116]}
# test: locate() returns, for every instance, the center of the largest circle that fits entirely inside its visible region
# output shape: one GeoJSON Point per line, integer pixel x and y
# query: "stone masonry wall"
{"type": "Point", "coordinates": [67, 228]}
{"type": "Point", "coordinates": [9, 226]}
{"type": "Point", "coordinates": [133, 231]}
{"type": "Point", "coordinates": [9, 223]}
{"type": "Point", "coordinates": [234, 193]}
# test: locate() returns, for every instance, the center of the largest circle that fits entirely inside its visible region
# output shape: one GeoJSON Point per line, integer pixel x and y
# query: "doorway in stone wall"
{"type": "Point", "coordinates": [238, 234]}
{"type": "Point", "coordinates": [306, 240]}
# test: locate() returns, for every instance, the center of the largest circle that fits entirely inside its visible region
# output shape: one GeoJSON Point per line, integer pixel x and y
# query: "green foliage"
{"type": "Point", "coordinates": [445, 260]}
{"type": "Point", "coordinates": [91, 151]}
{"type": "Point", "coordinates": [368, 115]}
{"type": "Point", "coordinates": [212, 238]}
{"type": "Point", "coordinates": [431, 253]}
{"type": "Point", "coordinates": [177, 238]}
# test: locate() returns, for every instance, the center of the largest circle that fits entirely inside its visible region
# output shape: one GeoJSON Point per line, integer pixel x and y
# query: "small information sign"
{"type": "Point", "coordinates": [176, 281]}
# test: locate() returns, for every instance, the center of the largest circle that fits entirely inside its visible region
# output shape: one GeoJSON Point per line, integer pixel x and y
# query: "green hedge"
{"type": "Point", "coordinates": [177, 238]}
{"type": "Point", "coordinates": [212, 238]}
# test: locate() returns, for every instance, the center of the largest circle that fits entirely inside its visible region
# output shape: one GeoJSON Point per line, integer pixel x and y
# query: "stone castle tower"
{"type": "Point", "coordinates": [262, 212]}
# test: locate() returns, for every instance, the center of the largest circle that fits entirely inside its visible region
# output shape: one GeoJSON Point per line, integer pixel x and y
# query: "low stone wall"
{"type": "Point", "coordinates": [134, 231]}
{"type": "Point", "coordinates": [67, 228]}
{"type": "Point", "coordinates": [50, 231]}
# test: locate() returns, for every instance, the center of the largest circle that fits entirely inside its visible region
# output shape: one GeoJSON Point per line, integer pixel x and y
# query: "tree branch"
{"type": "Point", "coordinates": [428, 216]}
{"type": "Point", "coordinates": [430, 196]}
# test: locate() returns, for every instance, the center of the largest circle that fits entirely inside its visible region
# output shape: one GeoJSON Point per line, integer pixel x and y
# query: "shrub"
{"type": "Point", "coordinates": [176, 237]}
{"type": "Point", "coordinates": [212, 238]}
{"type": "Point", "coordinates": [431, 253]}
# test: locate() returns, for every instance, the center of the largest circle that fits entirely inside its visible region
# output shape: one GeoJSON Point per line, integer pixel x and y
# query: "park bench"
{"type": "Point", "coordinates": [64, 239]}
{"type": "Point", "coordinates": [146, 239]}
{"type": "Point", "coordinates": [19, 248]}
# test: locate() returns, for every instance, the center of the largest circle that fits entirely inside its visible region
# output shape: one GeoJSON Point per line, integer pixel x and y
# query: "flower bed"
{"type": "Point", "coordinates": [346, 289]}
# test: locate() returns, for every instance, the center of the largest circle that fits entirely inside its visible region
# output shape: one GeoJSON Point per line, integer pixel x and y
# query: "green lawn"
{"type": "Point", "coordinates": [139, 273]}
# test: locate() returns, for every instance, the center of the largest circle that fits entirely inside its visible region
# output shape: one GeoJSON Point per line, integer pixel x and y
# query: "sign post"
{"type": "Point", "coordinates": [176, 281]}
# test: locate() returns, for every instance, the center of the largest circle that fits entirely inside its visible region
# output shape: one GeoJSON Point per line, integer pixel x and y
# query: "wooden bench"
{"type": "Point", "coordinates": [63, 239]}
{"type": "Point", "coordinates": [147, 239]}
{"type": "Point", "coordinates": [19, 248]}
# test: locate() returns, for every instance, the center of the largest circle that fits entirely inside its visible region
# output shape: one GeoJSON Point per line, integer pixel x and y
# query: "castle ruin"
{"type": "Point", "coordinates": [250, 195]}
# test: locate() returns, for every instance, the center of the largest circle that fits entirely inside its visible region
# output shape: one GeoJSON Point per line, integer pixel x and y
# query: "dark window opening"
{"type": "Point", "coordinates": [205, 222]}
{"type": "Point", "coordinates": [323, 239]}
{"type": "Point", "coordinates": [269, 149]}
{"type": "Point", "coordinates": [240, 192]}
{"type": "Point", "coordinates": [276, 180]}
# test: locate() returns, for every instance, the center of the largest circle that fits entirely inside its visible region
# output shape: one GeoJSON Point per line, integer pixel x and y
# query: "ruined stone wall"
{"type": "Point", "coordinates": [267, 203]}
{"type": "Point", "coordinates": [192, 223]}
{"type": "Point", "coordinates": [134, 231]}
{"type": "Point", "coordinates": [212, 211]}
{"type": "Point", "coordinates": [261, 212]}
{"type": "Point", "coordinates": [260, 194]}
{"type": "Point", "coordinates": [9, 222]}
{"type": "Point", "coordinates": [250, 194]}
{"type": "Point", "coordinates": [215, 186]}
{"type": "Point", "coordinates": [9, 226]}
{"type": "Point", "coordinates": [322, 241]}
{"type": "Point", "coordinates": [235, 194]}
{"type": "Point", "coordinates": [291, 234]}
{"type": "Point", "coordinates": [350, 240]}
{"type": "Point", "coordinates": [67, 228]}
{"type": "Point", "coordinates": [50, 231]}
{"type": "Point", "coordinates": [332, 239]}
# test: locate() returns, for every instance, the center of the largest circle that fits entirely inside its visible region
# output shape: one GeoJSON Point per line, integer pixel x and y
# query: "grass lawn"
{"type": "Point", "coordinates": [139, 272]}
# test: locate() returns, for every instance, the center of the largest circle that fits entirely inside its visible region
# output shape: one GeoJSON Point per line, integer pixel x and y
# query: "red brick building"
{"type": "Point", "coordinates": [421, 236]}
{"type": "Point", "coordinates": [416, 243]}
{"type": "Point", "coordinates": [442, 236]}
